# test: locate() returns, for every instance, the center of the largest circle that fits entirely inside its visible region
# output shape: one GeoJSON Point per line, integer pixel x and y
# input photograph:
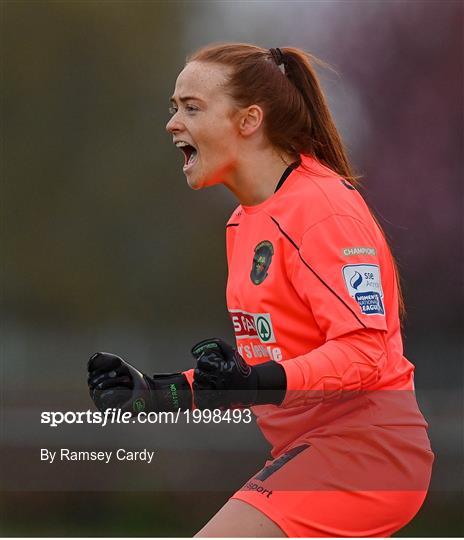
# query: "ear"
{"type": "Point", "coordinates": [250, 120]}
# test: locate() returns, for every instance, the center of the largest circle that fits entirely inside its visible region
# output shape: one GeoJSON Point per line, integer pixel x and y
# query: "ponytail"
{"type": "Point", "coordinates": [326, 143]}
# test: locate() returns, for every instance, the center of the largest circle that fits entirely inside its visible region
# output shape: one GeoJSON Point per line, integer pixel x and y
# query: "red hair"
{"type": "Point", "coordinates": [297, 119]}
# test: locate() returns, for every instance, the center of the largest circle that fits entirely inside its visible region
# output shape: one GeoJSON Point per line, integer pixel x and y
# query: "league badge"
{"type": "Point", "coordinates": [365, 286]}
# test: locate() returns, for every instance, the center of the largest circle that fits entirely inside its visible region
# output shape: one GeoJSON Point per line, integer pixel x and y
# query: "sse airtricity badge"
{"type": "Point", "coordinates": [365, 286]}
{"type": "Point", "coordinates": [261, 261]}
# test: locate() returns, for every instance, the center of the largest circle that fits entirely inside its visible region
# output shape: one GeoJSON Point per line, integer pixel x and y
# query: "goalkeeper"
{"type": "Point", "coordinates": [315, 302]}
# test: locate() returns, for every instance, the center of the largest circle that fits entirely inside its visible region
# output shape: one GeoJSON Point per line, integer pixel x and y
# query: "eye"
{"type": "Point", "coordinates": [190, 108]}
{"type": "Point", "coordinates": [172, 110]}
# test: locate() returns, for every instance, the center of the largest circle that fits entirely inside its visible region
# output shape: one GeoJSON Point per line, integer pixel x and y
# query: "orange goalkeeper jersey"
{"type": "Point", "coordinates": [312, 285]}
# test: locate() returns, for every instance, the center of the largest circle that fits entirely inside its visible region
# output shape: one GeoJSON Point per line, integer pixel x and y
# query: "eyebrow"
{"type": "Point", "coordinates": [185, 98]}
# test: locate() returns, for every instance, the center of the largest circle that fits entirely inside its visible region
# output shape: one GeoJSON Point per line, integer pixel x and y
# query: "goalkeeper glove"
{"type": "Point", "coordinates": [223, 380]}
{"type": "Point", "coordinates": [113, 382]}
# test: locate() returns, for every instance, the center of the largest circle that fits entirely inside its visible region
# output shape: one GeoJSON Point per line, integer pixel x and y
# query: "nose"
{"type": "Point", "coordinates": [173, 125]}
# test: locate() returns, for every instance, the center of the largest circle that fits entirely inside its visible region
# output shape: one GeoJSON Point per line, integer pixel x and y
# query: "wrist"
{"type": "Point", "coordinates": [271, 383]}
{"type": "Point", "coordinates": [171, 391]}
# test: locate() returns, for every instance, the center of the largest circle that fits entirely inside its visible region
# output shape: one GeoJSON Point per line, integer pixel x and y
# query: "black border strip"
{"type": "Point", "coordinates": [278, 463]}
{"type": "Point", "coordinates": [318, 277]}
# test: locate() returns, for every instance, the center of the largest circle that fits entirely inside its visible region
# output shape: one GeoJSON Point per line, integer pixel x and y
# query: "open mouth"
{"type": "Point", "coordinates": [190, 153]}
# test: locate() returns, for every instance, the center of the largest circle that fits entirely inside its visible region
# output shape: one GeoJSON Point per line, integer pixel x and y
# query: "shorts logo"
{"type": "Point", "coordinates": [365, 286]}
{"type": "Point", "coordinates": [261, 261]}
{"type": "Point", "coordinates": [253, 486]}
{"type": "Point", "coordinates": [252, 325]}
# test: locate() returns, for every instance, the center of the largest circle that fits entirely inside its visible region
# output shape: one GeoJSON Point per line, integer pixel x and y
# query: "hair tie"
{"type": "Point", "coordinates": [278, 57]}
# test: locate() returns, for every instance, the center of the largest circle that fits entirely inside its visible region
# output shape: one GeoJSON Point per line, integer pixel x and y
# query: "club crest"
{"type": "Point", "coordinates": [261, 261]}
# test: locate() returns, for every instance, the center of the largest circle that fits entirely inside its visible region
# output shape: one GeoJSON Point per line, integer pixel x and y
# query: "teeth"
{"type": "Point", "coordinates": [190, 154]}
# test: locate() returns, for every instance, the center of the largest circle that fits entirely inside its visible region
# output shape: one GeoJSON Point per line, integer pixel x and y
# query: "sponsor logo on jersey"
{"type": "Point", "coordinates": [255, 334]}
{"type": "Point", "coordinates": [365, 286]}
{"type": "Point", "coordinates": [359, 251]}
{"type": "Point", "coordinates": [261, 261]}
{"type": "Point", "coordinates": [252, 325]}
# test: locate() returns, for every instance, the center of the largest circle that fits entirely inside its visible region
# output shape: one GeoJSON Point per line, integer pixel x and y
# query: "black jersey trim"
{"type": "Point", "coordinates": [316, 274]}
{"type": "Point", "coordinates": [278, 463]}
{"type": "Point", "coordinates": [286, 174]}
{"type": "Point", "coordinates": [347, 184]}
{"type": "Point", "coordinates": [284, 177]}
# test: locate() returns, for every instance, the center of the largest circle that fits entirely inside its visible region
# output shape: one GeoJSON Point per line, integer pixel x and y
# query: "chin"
{"type": "Point", "coordinates": [199, 179]}
{"type": "Point", "coordinates": [195, 183]}
{"type": "Point", "coordinates": [202, 181]}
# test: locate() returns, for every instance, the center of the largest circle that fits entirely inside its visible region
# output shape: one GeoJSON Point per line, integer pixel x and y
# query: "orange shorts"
{"type": "Point", "coordinates": [364, 482]}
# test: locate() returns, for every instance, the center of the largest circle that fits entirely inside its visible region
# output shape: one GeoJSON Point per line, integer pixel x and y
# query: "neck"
{"type": "Point", "coordinates": [256, 176]}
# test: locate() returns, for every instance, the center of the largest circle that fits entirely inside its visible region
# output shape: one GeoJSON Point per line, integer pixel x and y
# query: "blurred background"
{"type": "Point", "coordinates": [104, 246]}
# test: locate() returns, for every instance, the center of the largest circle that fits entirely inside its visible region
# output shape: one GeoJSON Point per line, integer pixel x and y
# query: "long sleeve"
{"type": "Point", "coordinates": [337, 271]}
{"type": "Point", "coordinates": [339, 368]}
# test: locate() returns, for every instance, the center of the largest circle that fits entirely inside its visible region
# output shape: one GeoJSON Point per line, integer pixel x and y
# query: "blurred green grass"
{"type": "Point", "coordinates": [143, 514]}
{"type": "Point", "coordinates": [107, 513]}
